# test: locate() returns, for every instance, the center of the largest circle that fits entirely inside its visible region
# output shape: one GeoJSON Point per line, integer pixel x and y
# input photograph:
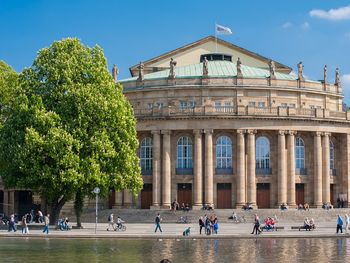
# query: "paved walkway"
{"type": "Point", "coordinates": [146, 231]}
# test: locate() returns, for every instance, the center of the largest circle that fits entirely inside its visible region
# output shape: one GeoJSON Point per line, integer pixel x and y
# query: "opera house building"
{"type": "Point", "coordinates": [223, 126]}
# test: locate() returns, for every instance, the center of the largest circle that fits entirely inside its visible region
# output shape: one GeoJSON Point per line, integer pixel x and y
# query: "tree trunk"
{"type": "Point", "coordinates": [78, 206]}
{"type": "Point", "coordinates": [55, 210]}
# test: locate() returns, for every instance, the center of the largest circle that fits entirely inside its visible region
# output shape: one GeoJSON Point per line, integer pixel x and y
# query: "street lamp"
{"type": "Point", "coordinates": [96, 191]}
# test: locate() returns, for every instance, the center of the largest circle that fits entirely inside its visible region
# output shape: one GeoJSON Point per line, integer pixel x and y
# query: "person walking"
{"type": "Point", "coordinates": [256, 225]}
{"type": "Point", "coordinates": [201, 225]}
{"type": "Point", "coordinates": [12, 224]}
{"type": "Point", "coordinates": [46, 222]}
{"type": "Point", "coordinates": [157, 221]}
{"type": "Point", "coordinates": [110, 221]}
{"type": "Point", "coordinates": [339, 224]}
{"type": "Point", "coordinates": [25, 229]}
{"type": "Point", "coordinates": [347, 222]}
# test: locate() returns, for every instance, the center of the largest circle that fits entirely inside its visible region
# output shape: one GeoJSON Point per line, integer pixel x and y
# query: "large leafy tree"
{"type": "Point", "coordinates": [69, 128]}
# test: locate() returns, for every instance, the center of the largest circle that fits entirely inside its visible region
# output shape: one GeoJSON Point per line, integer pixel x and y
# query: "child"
{"type": "Point", "coordinates": [187, 232]}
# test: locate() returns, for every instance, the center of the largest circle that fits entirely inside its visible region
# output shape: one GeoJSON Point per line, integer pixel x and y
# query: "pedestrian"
{"type": "Point", "coordinates": [46, 222]}
{"type": "Point", "coordinates": [25, 229]}
{"type": "Point", "coordinates": [256, 225]}
{"type": "Point", "coordinates": [157, 221]}
{"type": "Point", "coordinates": [201, 225]}
{"type": "Point", "coordinates": [110, 221]}
{"type": "Point", "coordinates": [339, 224]}
{"type": "Point", "coordinates": [40, 216]}
{"type": "Point", "coordinates": [347, 222]}
{"type": "Point", "coordinates": [12, 224]}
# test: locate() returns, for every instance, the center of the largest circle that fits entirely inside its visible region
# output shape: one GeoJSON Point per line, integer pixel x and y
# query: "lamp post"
{"type": "Point", "coordinates": [96, 191]}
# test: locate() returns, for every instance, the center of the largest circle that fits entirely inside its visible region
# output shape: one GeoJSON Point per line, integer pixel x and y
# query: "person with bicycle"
{"type": "Point", "coordinates": [119, 222]}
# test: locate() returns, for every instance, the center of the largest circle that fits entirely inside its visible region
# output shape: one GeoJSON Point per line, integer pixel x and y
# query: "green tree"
{"type": "Point", "coordinates": [69, 129]}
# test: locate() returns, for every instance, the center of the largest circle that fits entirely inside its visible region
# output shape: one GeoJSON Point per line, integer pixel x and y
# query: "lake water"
{"type": "Point", "coordinates": [205, 251]}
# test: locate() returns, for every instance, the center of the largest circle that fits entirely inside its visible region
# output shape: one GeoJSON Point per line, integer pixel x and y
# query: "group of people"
{"type": "Point", "coordinates": [25, 220]}
{"type": "Point", "coordinates": [118, 224]}
{"type": "Point", "coordinates": [210, 224]}
{"type": "Point", "coordinates": [341, 224]}
{"type": "Point", "coordinates": [176, 206]}
{"type": "Point", "coordinates": [309, 224]}
{"type": "Point", "coordinates": [63, 224]}
{"type": "Point", "coordinates": [304, 207]}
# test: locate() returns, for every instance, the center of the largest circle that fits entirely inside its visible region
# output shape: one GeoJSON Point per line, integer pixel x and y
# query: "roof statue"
{"type": "Point", "coordinates": [172, 68]}
{"type": "Point", "coordinates": [239, 69]}
{"type": "Point", "coordinates": [205, 67]}
{"type": "Point", "coordinates": [115, 72]}
{"type": "Point", "coordinates": [325, 74]}
{"type": "Point", "coordinates": [300, 71]}
{"type": "Point", "coordinates": [272, 67]}
{"type": "Point", "coordinates": [141, 74]}
{"type": "Point", "coordinates": [337, 77]}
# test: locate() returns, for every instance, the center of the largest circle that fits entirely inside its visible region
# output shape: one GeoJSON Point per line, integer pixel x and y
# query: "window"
{"type": "Point", "coordinates": [146, 154]}
{"type": "Point", "coordinates": [223, 152]}
{"type": "Point", "coordinates": [150, 105]}
{"type": "Point", "coordinates": [292, 105]}
{"type": "Point", "coordinates": [262, 155]}
{"type": "Point", "coordinates": [261, 104]}
{"type": "Point", "coordinates": [251, 104]}
{"type": "Point", "coordinates": [184, 153]}
{"type": "Point", "coordinates": [217, 104]}
{"type": "Point", "coordinates": [284, 105]}
{"type": "Point", "coordinates": [183, 104]}
{"type": "Point", "coordinates": [312, 106]}
{"type": "Point", "coordinates": [299, 153]}
{"type": "Point", "coordinates": [228, 104]}
{"type": "Point", "coordinates": [331, 155]}
{"type": "Point", "coordinates": [160, 105]}
{"type": "Point", "coordinates": [192, 104]}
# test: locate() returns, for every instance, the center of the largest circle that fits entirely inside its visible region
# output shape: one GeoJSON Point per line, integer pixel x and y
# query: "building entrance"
{"type": "Point", "coordinates": [24, 201]}
{"type": "Point", "coordinates": [263, 195]}
{"type": "Point", "coordinates": [299, 194]}
{"type": "Point", "coordinates": [224, 195]}
{"type": "Point", "coordinates": [184, 194]}
{"type": "Point", "coordinates": [146, 196]}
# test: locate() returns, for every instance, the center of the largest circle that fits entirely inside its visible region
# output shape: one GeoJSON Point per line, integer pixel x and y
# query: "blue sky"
{"type": "Point", "coordinates": [313, 31]}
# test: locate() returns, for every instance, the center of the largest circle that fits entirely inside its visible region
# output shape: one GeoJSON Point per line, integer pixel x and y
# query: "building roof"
{"type": "Point", "coordinates": [216, 69]}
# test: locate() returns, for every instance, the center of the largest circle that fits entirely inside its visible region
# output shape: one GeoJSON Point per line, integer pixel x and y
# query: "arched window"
{"type": "Point", "coordinates": [299, 153]}
{"type": "Point", "coordinates": [146, 154]}
{"type": "Point", "coordinates": [331, 155]}
{"type": "Point", "coordinates": [262, 155]}
{"type": "Point", "coordinates": [223, 152]}
{"type": "Point", "coordinates": [184, 153]}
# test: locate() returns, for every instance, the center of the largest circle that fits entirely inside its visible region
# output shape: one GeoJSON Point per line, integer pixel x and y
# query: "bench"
{"type": "Point", "coordinates": [273, 229]}
{"type": "Point", "coordinates": [301, 228]}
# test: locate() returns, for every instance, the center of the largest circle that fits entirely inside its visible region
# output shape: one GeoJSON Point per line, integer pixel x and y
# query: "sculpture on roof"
{"type": "Point", "coordinates": [300, 71]}
{"type": "Point", "coordinates": [172, 68]}
{"type": "Point", "coordinates": [239, 69]}
{"type": "Point", "coordinates": [325, 74]}
{"type": "Point", "coordinates": [141, 74]}
{"type": "Point", "coordinates": [205, 67]}
{"type": "Point", "coordinates": [272, 67]}
{"type": "Point", "coordinates": [337, 77]}
{"type": "Point", "coordinates": [115, 72]}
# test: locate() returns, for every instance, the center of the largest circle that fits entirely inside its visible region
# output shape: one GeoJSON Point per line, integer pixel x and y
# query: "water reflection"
{"type": "Point", "coordinates": [209, 251]}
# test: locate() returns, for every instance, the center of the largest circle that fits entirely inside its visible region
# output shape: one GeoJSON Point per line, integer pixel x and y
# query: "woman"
{"type": "Point", "coordinates": [256, 225]}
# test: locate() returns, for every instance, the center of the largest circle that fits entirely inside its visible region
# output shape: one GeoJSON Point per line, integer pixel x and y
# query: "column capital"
{"type": "Point", "coordinates": [166, 132]}
{"type": "Point", "coordinates": [318, 134]}
{"type": "Point", "coordinates": [328, 134]}
{"type": "Point", "coordinates": [240, 131]}
{"type": "Point", "coordinates": [197, 132]}
{"type": "Point", "coordinates": [208, 131]}
{"type": "Point", "coordinates": [155, 132]}
{"type": "Point", "coordinates": [281, 132]}
{"type": "Point", "coordinates": [291, 133]}
{"type": "Point", "coordinates": [251, 131]}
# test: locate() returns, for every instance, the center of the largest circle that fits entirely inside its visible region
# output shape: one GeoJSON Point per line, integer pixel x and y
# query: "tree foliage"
{"type": "Point", "coordinates": [69, 128]}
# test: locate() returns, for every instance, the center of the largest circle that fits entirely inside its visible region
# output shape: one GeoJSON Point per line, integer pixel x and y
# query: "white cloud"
{"type": "Point", "coordinates": [341, 13]}
{"type": "Point", "coordinates": [305, 25]}
{"type": "Point", "coordinates": [287, 25]}
{"type": "Point", "coordinates": [346, 80]}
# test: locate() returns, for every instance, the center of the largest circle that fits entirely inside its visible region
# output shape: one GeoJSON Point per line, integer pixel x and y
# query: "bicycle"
{"type": "Point", "coordinates": [119, 227]}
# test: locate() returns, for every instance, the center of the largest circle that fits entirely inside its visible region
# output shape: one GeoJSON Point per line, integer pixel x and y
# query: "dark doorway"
{"type": "Point", "coordinates": [1, 201]}
{"type": "Point", "coordinates": [300, 194]}
{"type": "Point", "coordinates": [146, 196]}
{"type": "Point", "coordinates": [184, 194]}
{"type": "Point", "coordinates": [263, 195]}
{"type": "Point", "coordinates": [332, 194]}
{"type": "Point", "coordinates": [111, 199]}
{"type": "Point", "coordinates": [224, 195]}
{"type": "Point", "coordinates": [25, 202]}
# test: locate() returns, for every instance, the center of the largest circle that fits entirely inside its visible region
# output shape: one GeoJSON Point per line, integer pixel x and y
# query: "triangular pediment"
{"type": "Point", "coordinates": [190, 54]}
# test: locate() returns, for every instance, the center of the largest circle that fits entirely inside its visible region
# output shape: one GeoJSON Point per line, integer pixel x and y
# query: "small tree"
{"type": "Point", "coordinates": [69, 129]}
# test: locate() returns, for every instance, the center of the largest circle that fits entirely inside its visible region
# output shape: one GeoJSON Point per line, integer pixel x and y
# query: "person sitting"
{"type": "Point", "coordinates": [66, 224]}
{"type": "Point", "coordinates": [284, 206]}
{"type": "Point", "coordinates": [187, 207]}
{"type": "Point", "coordinates": [300, 207]}
{"type": "Point", "coordinates": [248, 206]}
{"type": "Point", "coordinates": [312, 224]}
{"type": "Point", "coordinates": [183, 207]}
{"type": "Point", "coordinates": [234, 217]}
{"type": "Point", "coordinates": [175, 205]}
{"type": "Point", "coordinates": [306, 225]}
{"type": "Point", "coordinates": [306, 207]}
{"type": "Point", "coordinates": [187, 232]}
{"type": "Point", "coordinates": [119, 222]}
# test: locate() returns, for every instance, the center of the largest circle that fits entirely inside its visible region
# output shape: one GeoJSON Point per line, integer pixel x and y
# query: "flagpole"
{"type": "Point", "coordinates": [216, 40]}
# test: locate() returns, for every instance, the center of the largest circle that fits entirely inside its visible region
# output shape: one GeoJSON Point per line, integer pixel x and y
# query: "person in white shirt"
{"type": "Point", "coordinates": [119, 222]}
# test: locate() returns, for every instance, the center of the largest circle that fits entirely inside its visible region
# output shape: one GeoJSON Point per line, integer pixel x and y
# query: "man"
{"type": "Point", "coordinates": [119, 222]}
{"type": "Point", "coordinates": [339, 224]}
{"type": "Point", "coordinates": [46, 222]}
{"type": "Point", "coordinates": [110, 221]}
{"type": "Point", "coordinates": [12, 224]}
{"type": "Point", "coordinates": [157, 221]}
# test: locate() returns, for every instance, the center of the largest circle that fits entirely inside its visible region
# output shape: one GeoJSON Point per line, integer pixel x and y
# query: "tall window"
{"type": "Point", "coordinates": [146, 154]}
{"type": "Point", "coordinates": [299, 153]}
{"type": "Point", "coordinates": [223, 152]}
{"type": "Point", "coordinates": [331, 155]}
{"type": "Point", "coordinates": [184, 153]}
{"type": "Point", "coordinates": [262, 153]}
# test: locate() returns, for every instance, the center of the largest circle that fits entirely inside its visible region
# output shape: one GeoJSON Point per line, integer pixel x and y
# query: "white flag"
{"type": "Point", "coordinates": [222, 30]}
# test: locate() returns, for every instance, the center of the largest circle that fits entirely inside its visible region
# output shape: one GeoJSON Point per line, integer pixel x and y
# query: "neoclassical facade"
{"type": "Point", "coordinates": [231, 127]}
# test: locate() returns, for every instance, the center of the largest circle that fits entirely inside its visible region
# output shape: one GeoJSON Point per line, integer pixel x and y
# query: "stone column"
{"type": "Point", "coordinates": [291, 168]}
{"type": "Point", "coordinates": [11, 202]}
{"type": "Point", "coordinates": [282, 171]}
{"type": "Point", "coordinates": [166, 170]}
{"type": "Point", "coordinates": [156, 168]}
{"type": "Point", "coordinates": [209, 167]}
{"type": "Point", "coordinates": [6, 202]}
{"type": "Point", "coordinates": [197, 171]}
{"type": "Point", "coordinates": [344, 180]}
{"type": "Point", "coordinates": [317, 170]}
{"type": "Point", "coordinates": [241, 185]}
{"type": "Point", "coordinates": [127, 198]}
{"type": "Point", "coordinates": [118, 199]}
{"type": "Point", "coordinates": [251, 180]}
{"type": "Point", "coordinates": [326, 184]}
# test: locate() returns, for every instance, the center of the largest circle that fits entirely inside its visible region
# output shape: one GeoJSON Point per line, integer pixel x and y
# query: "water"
{"type": "Point", "coordinates": [205, 251]}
